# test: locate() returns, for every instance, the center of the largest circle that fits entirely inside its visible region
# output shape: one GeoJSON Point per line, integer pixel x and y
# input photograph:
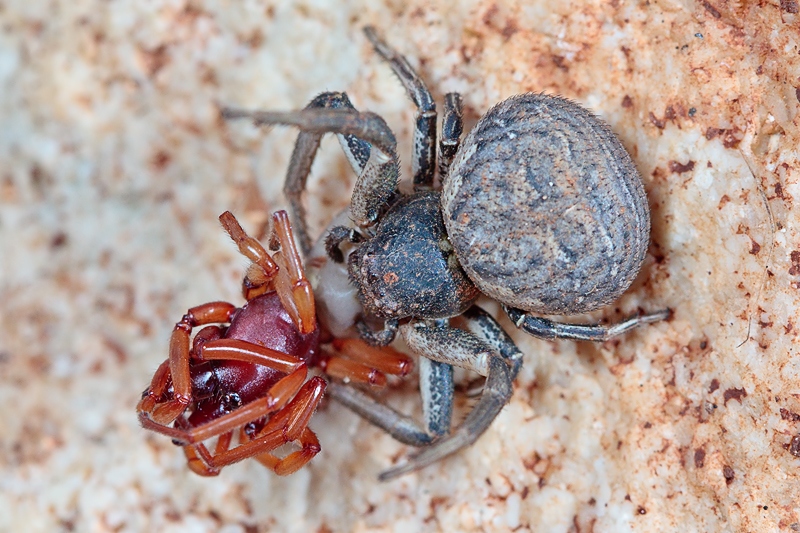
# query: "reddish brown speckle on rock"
{"type": "Point", "coordinates": [714, 385]}
{"type": "Point", "coordinates": [154, 59]}
{"type": "Point", "coordinates": [713, 11]}
{"type": "Point", "coordinates": [728, 474]}
{"type": "Point", "coordinates": [734, 394]}
{"type": "Point", "coordinates": [680, 168]}
{"type": "Point", "coordinates": [790, 6]}
{"type": "Point", "coordinates": [437, 502]}
{"type": "Point", "coordinates": [699, 457]}
{"type": "Point", "coordinates": [58, 240]}
{"type": "Point", "coordinates": [657, 122]}
{"type": "Point", "coordinates": [794, 257]}
{"type": "Point", "coordinates": [491, 12]}
{"type": "Point", "coordinates": [627, 102]}
{"type": "Point", "coordinates": [730, 138]}
{"type": "Point", "coordinates": [794, 446]}
{"type": "Point", "coordinates": [789, 415]}
{"type": "Point", "coordinates": [161, 159]}
{"type": "Point", "coordinates": [256, 39]}
{"type": "Point", "coordinates": [755, 247]}
{"type": "Point", "coordinates": [560, 62]}
{"type": "Point", "coordinates": [509, 29]}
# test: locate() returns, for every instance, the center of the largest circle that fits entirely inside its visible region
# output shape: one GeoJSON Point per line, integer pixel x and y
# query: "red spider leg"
{"type": "Point", "coordinates": [384, 359]}
{"type": "Point", "coordinates": [263, 270]}
{"type": "Point", "coordinates": [291, 284]}
{"type": "Point", "coordinates": [277, 396]}
{"type": "Point", "coordinates": [295, 460]}
{"type": "Point", "coordinates": [349, 370]}
{"type": "Point", "coordinates": [263, 444]}
{"type": "Point", "coordinates": [287, 425]}
{"type": "Point", "coordinates": [196, 464]}
{"type": "Point", "coordinates": [179, 354]}
{"type": "Point", "coordinates": [238, 350]}
{"type": "Point", "coordinates": [293, 420]}
{"type": "Point", "coordinates": [295, 417]}
{"type": "Point", "coordinates": [290, 420]}
{"type": "Point", "coordinates": [359, 362]}
{"type": "Point", "coordinates": [158, 385]}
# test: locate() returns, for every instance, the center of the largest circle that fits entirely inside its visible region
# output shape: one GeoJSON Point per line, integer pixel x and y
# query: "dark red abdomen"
{"type": "Point", "coordinates": [228, 384]}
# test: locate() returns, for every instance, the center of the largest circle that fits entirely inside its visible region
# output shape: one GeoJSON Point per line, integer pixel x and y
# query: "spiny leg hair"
{"type": "Point", "coordinates": [423, 164]}
{"type": "Point", "coordinates": [377, 182]}
{"type": "Point", "coordinates": [459, 348]}
{"type": "Point", "coordinates": [305, 150]}
{"type": "Point", "coordinates": [452, 127]}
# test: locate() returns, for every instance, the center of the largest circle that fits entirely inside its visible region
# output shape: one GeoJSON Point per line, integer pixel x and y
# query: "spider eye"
{"type": "Point", "coordinates": [232, 400]}
{"type": "Point", "coordinates": [250, 429]}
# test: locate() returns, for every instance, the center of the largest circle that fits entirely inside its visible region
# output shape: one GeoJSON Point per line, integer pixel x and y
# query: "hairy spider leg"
{"type": "Point", "coordinates": [548, 329]}
{"type": "Point", "coordinates": [484, 348]}
{"type": "Point", "coordinates": [452, 127]}
{"type": "Point", "coordinates": [305, 150]}
{"type": "Point", "coordinates": [423, 164]}
{"type": "Point", "coordinates": [378, 180]}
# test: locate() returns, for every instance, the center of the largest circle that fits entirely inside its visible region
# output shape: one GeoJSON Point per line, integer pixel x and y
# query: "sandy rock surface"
{"type": "Point", "coordinates": [115, 163]}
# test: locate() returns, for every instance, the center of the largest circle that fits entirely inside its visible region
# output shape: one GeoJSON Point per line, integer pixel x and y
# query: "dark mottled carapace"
{"type": "Point", "coordinates": [407, 268]}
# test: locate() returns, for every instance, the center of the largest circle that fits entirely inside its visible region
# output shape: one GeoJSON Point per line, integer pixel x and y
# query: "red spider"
{"type": "Point", "coordinates": [251, 375]}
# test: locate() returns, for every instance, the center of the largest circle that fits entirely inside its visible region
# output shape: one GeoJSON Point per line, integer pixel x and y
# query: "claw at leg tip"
{"type": "Point", "coordinates": [411, 465]}
{"type": "Point", "coordinates": [397, 471]}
